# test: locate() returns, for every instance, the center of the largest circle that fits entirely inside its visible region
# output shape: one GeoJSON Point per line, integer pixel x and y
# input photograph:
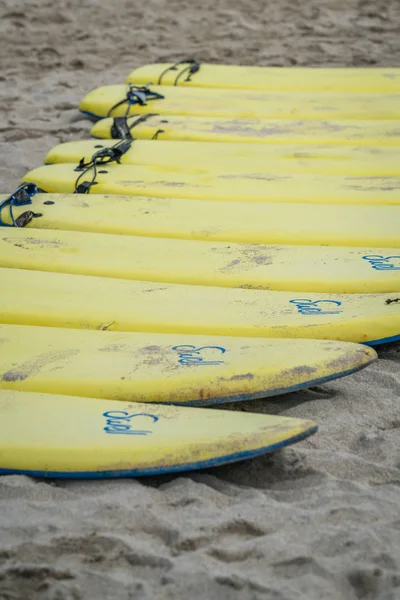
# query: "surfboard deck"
{"type": "Point", "coordinates": [254, 131]}
{"type": "Point", "coordinates": [168, 100]}
{"type": "Point", "coordinates": [200, 184]}
{"type": "Point", "coordinates": [168, 368]}
{"type": "Point", "coordinates": [236, 77]}
{"type": "Point", "coordinates": [180, 218]}
{"type": "Point", "coordinates": [46, 435]}
{"type": "Point", "coordinates": [250, 159]}
{"type": "Point", "coordinates": [291, 268]}
{"type": "Point", "coordinates": [86, 302]}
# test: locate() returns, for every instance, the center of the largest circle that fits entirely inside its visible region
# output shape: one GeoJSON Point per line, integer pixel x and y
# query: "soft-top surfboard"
{"type": "Point", "coordinates": [120, 100]}
{"type": "Point", "coordinates": [201, 184]}
{"type": "Point", "coordinates": [252, 160]}
{"type": "Point", "coordinates": [255, 131]}
{"type": "Point", "coordinates": [87, 302]}
{"type": "Point", "coordinates": [252, 222]}
{"type": "Point", "coordinates": [168, 368]}
{"type": "Point", "coordinates": [311, 79]}
{"type": "Point", "coordinates": [46, 435]}
{"type": "Point", "coordinates": [293, 268]}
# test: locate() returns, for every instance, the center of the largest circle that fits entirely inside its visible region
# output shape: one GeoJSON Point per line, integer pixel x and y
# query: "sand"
{"type": "Point", "coordinates": [319, 520]}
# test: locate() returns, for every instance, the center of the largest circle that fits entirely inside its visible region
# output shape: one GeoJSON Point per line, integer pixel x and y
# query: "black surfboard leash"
{"type": "Point", "coordinates": [102, 157]}
{"type": "Point", "coordinates": [136, 95]}
{"type": "Point", "coordinates": [21, 197]}
{"type": "Point", "coordinates": [121, 129]}
{"type": "Point", "coordinates": [193, 66]}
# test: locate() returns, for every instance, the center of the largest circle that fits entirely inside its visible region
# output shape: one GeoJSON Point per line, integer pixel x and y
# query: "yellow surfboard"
{"type": "Point", "coordinates": [251, 222]}
{"type": "Point", "coordinates": [46, 435]}
{"type": "Point", "coordinates": [130, 180]}
{"type": "Point", "coordinates": [120, 100]}
{"type": "Point", "coordinates": [168, 368]}
{"type": "Point", "coordinates": [252, 160]}
{"type": "Point", "coordinates": [292, 268]}
{"type": "Point", "coordinates": [86, 302]}
{"type": "Point", "coordinates": [255, 131]}
{"type": "Point", "coordinates": [237, 77]}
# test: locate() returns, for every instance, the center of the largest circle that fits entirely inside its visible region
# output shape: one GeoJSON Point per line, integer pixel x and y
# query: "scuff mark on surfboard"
{"type": "Point", "coordinates": [33, 367]}
{"type": "Point", "coordinates": [115, 348]}
{"type": "Point", "coordinates": [15, 375]}
{"type": "Point", "coordinates": [31, 241]}
{"type": "Point", "coordinates": [298, 372]}
{"type": "Point", "coordinates": [240, 377]}
{"type": "Point", "coordinates": [259, 176]}
{"type": "Point", "coordinates": [229, 266]}
{"type": "Point", "coordinates": [151, 349]}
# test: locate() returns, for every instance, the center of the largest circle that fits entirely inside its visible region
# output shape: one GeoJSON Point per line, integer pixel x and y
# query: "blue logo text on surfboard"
{"type": "Point", "coordinates": [383, 263]}
{"type": "Point", "coordinates": [204, 356]}
{"type": "Point", "coordinates": [305, 306]}
{"type": "Point", "coordinates": [120, 422]}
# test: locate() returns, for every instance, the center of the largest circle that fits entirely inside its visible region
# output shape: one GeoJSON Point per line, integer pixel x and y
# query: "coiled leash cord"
{"type": "Point", "coordinates": [136, 95]}
{"type": "Point", "coordinates": [99, 158]}
{"type": "Point", "coordinates": [21, 197]}
{"type": "Point", "coordinates": [192, 67]}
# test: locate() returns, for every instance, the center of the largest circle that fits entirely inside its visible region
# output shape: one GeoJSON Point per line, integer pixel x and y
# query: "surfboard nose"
{"type": "Point", "coordinates": [93, 438]}
{"type": "Point", "coordinates": [169, 368]}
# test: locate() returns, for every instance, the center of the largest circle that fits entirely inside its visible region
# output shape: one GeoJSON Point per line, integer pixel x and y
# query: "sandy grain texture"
{"type": "Point", "coordinates": [319, 520]}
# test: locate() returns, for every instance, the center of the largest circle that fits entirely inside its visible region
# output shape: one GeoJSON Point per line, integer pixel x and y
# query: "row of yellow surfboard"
{"type": "Point", "coordinates": [228, 233]}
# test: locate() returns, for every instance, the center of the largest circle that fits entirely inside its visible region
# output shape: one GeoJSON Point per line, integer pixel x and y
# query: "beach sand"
{"type": "Point", "coordinates": [319, 520]}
